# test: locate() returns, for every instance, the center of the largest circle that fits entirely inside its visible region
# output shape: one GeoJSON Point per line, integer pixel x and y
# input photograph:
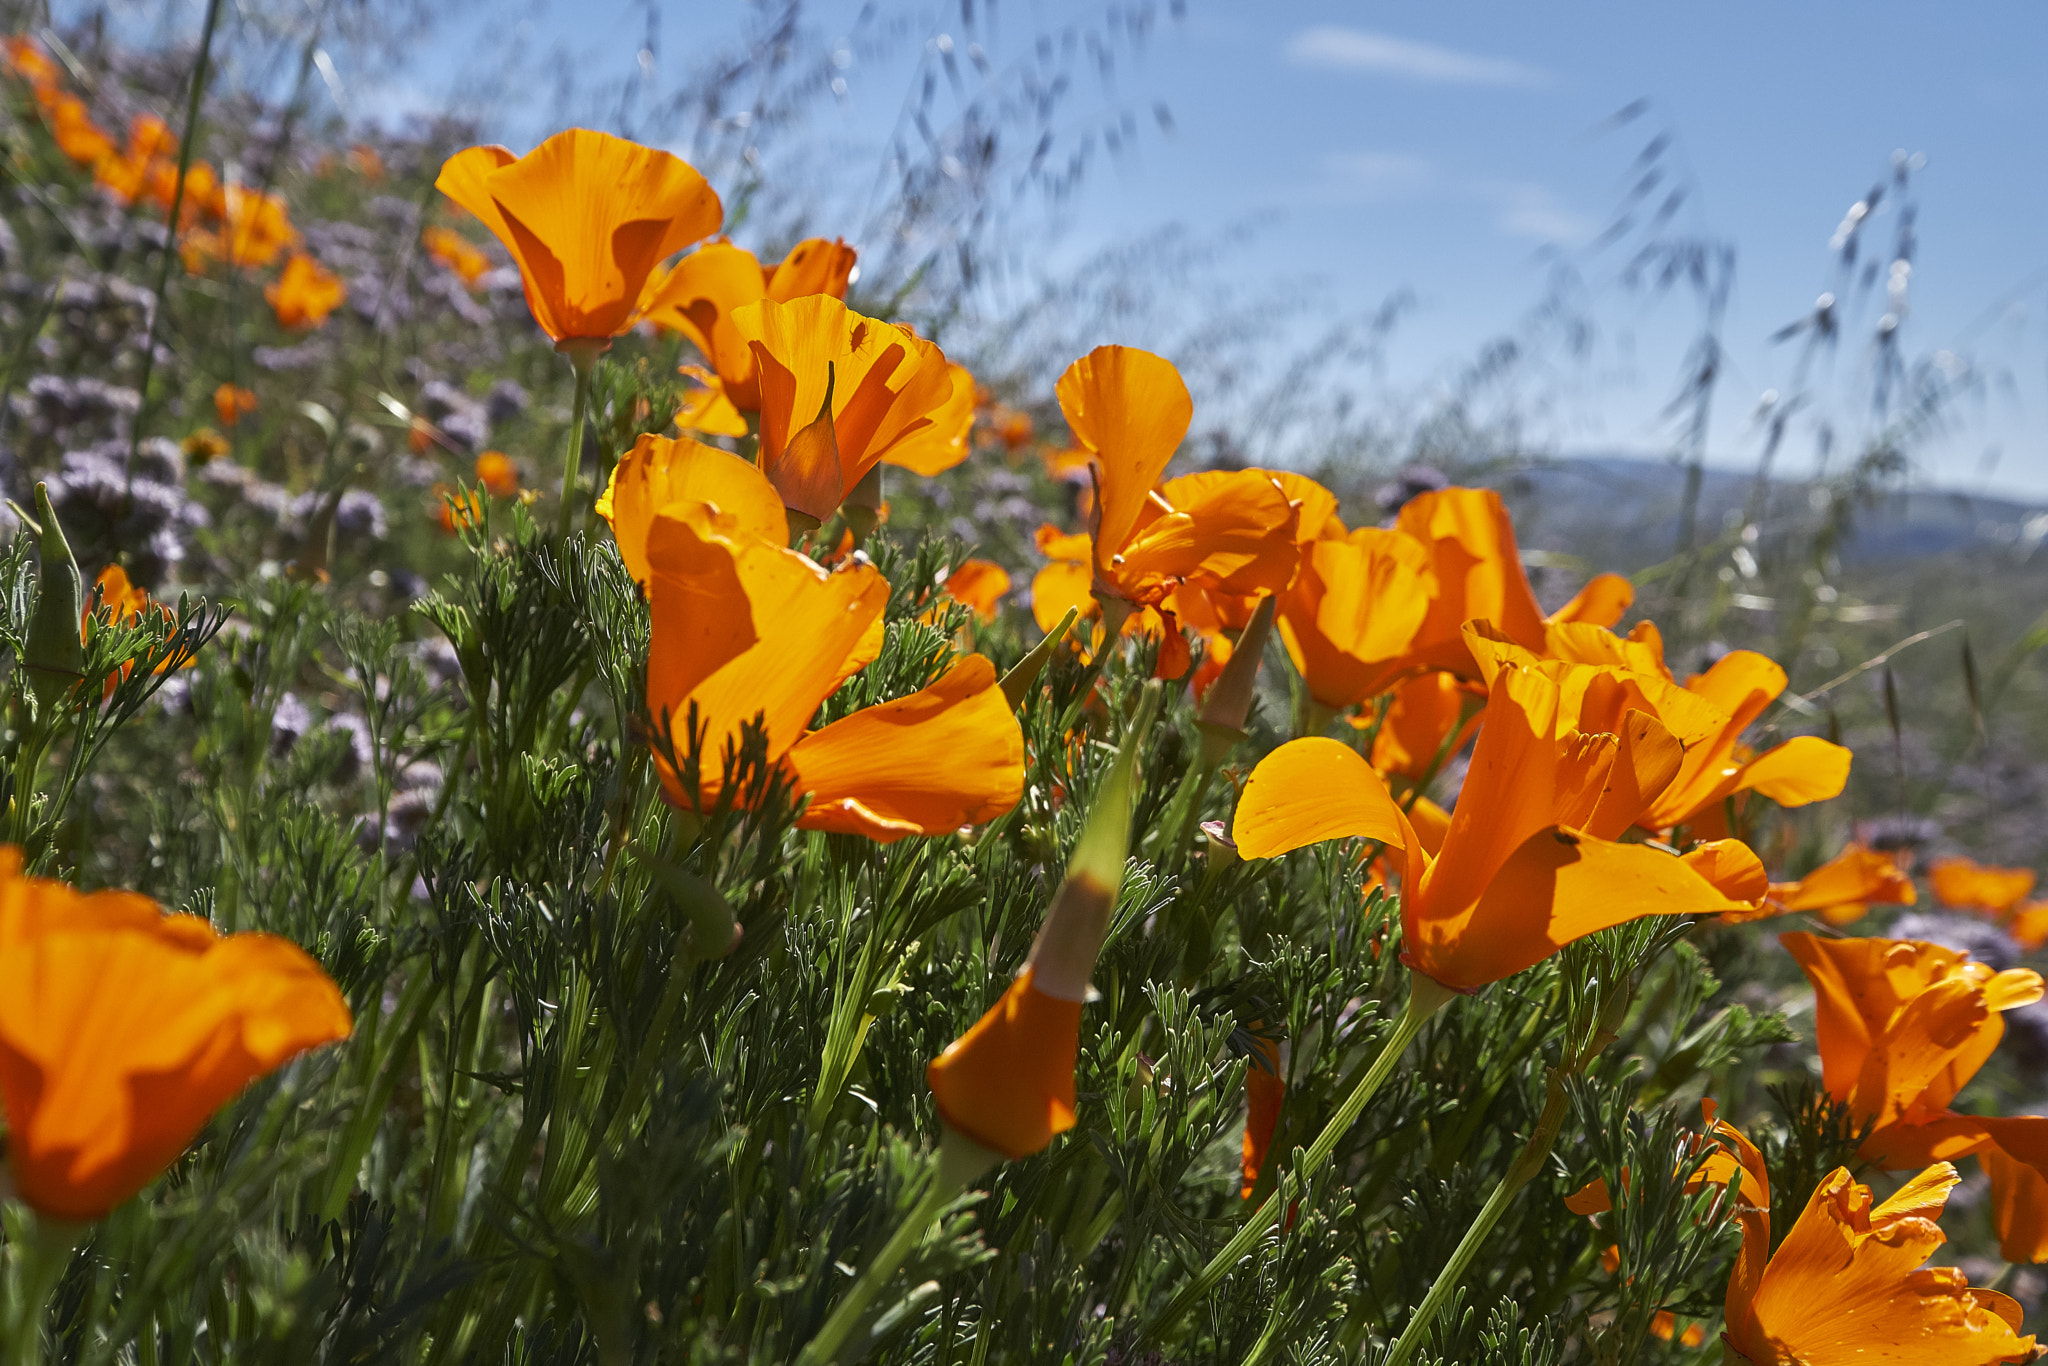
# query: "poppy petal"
{"type": "Point", "coordinates": [1312, 790]}
{"type": "Point", "coordinates": [1131, 409]}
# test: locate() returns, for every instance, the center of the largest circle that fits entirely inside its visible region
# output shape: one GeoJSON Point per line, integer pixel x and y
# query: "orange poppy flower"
{"type": "Point", "coordinates": [980, 584]}
{"type": "Point", "coordinates": [1479, 576]}
{"type": "Point", "coordinates": [1604, 600]}
{"type": "Point", "coordinates": [364, 160]}
{"type": "Point", "coordinates": [456, 253]}
{"type": "Point", "coordinates": [230, 403]}
{"type": "Point", "coordinates": [1902, 1026]}
{"type": "Point", "coordinates": [588, 217]}
{"type": "Point", "coordinates": [2027, 923]}
{"type": "Point", "coordinates": [1567, 757]}
{"type": "Point", "coordinates": [25, 58]}
{"type": "Point", "coordinates": [699, 296]}
{"type": "Point", "coordinates": [1849, 1285]}
{"type": "Point", "coordinates": [305, 293]}
{"type": "Point", "coordinates": [1841, 891]}
{"type": "Point", "coordinates": [204, 197]}
{"type": "Point", "coordinates": [1351, 617]}
{"type": "Point", "coordinates": [456, 509]}
{"type": "Point", "coordinates": [255, 230]}
{"type": "Point", "coordinates": [1803, 769]}
{"type": "Point", "coordinates": [943, 444]}
{"type": "Point", "coordinates": [496, 472]}
{"type": "Point", "coordinates": [1007, 1084]}
{"type": "Point", "coordinates": [1971, 886]}
{"type": "Point", "coordinates": [879, 383]}
{"type": "Point", "coordinates": [744, 627]}
{"type": "Point", "coordinates": [1231, 532]}
{"type": "Point", "coordinates": [76, 134]}
{"type": "Point", "coordinates": [123, 1029]}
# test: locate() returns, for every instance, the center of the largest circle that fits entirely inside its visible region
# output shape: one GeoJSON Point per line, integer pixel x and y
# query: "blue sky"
{"type": "Point", "coordinates": [1453, 149]}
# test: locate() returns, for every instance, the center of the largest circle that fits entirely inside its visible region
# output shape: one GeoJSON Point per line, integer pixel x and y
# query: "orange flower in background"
{"type": "Point", "coordinates": [1479, 576]}
{"type": "Point", "coordinates": [255, 230]}
{"type": "Point", "coordinates": [456, 509]}
{"type": "Point", "coordinates": [204, 196]}
{"type": "Point", "coordinates": [980, 584]}
{"type": "Point", "coordinates": [1567, 757]}
{"type": "Point", "coordinates": [76, 134]}
{"type": "Point", "coordinates": [231, 403]}
{"type": "Point", "coordinates": [743, 627]}
{"type": "Point", "coordinates": [1229, 532]}
{"type": "Point", "coordinates": [1604, 600]}
{"type": "Point", "coordinates": [1967, 885]}
{"type": "Point", "coordinates": [588, 217]}
{"type": "Point", "coordinates": [304, 294]}
{"type": "Point", "coordinates": [707, 409]}
{"type": "Point", "coordinates": [1849, 1285]}
{"type": "Point", "coordinates": [1902, 1025]}
{"type": "Point", "coordinates": [123, 1029]}
{"type": "Point", "coordinates": [25, 58]}
{"type": "Point", "coordinates": [1424, 712]}
{"type": "Point", "coordinates": [1803, 769]}
{"type": "Point", "coordinates": [499, 476]}
{"type": "Point", "coordinates": [1265, 1089]}
{"type": "Point", "coordinates": [659, 471]}
{"type": "Point", "coordinates": [1351, 617]}
{"type": "Point", "coordinates": [699, 296]}
{"type": "Point", "coordinates": [204, 445]}
{"type": "Point", "coordinates": [944, 443]}
{"type": "Point", "coordinates": [1840, 891]}
{"type": "Point", "coordinates": [363, 159]}
{"type": "Point", "coordinates": [456, 253]}
{"type": "Point", "coordinates": [878, 383]}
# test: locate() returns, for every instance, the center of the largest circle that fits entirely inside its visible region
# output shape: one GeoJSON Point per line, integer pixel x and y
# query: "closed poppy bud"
{"type": "Point", "coordinates": [54, 654]}
{"type": "Point", "coordinates": [1007, 1084]}
{"type": "Point", "coordinates": [1230, 698]}
{"type": "Point", "coordinates": [179, 1019]}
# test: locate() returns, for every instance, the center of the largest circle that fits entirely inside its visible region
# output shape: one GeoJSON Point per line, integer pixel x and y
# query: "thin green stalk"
{"type": "Point", "coordinates": [38, 1256]}
{"type": "Point", "coordinates": [959, 1162]}
{"type": "Point", "coordinates": [582, 354]}
{"type": "Point", "coordinates": [1425, 998]}
{"type": "Point", "coordinates": [1526, 1165]}
{"type": "Point", "coordinates": [163, 270]}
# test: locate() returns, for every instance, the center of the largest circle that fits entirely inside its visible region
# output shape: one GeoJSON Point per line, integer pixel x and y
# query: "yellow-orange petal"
{"type": "Point", "coordinates": [1604, 600]}
{"type": "Point", "coordinates": [943, 444]}
{"type": "Point", "coordinates": [1311, 790]}
{"type": "Point", "coordinates": [1057, 587]}
{"type": "Point", "coordinates": [1733, 869]}
{"type": "Point", "coordinates": [1264, 1092]}
{"type": "Point", "coordinates": [1352, 613]}
{"type": "Point", "coordinates": [1968, 885]}
{"type": "Point", "coordinates": [1803, 769]}
{"type": "Point", "coordinates": [698, 298]}
{"type": "Point", "coordinates": [948, 755]}
{"type": "Point", "coordinates": [1130, 409]}
{"type": "Point", "coordinates": [979, 584]}
{"type": "Point", "coordinates": [1557, 887]}
{"type": "Point", "coordinates": [659, 473]}
{"type": "Point", "coordinates": [1479, 575]}
{"type": "Point", "coordinates": [813, 266]}
{"type": "Point", "coordinates": [1008, 1082]}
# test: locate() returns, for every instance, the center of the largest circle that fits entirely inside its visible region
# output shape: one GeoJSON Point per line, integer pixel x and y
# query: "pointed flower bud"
{"type": "Point", "coordinates": [1007, 1084]}
{"type": "Point", "coordinates": [1230, 698]}
{"type": "Point", "coordinates": [55, 653]}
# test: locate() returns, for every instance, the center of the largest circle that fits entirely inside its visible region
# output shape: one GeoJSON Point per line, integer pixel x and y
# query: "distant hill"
{"type": "Point", "coordinates": [1617, 512]}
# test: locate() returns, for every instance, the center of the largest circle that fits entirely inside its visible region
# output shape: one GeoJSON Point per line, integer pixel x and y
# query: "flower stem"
{"type": "Point", "coordinates": [583, 356]}
{"type": "Point", "coordinates": [39, 1254]}
{"type": "Point", "coordinates": [1425, 998]}
{"type": "Point", "coordinates": [960, 1161]}
{"type": "Point", "coordinates": [1527, 1163]}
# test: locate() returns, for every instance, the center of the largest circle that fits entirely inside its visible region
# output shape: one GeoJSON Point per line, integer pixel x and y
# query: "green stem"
{"type": "Point", "coordinates": [582, 354]}
{"type": "Point", "coordinates": [960, 1161]}
{"type": "Point", "coordinates": [40, 1251]}
{"type": "Point", "coordinates": [1526, 1165]}
{"type": "Point", "coordinates": [1425, 998]}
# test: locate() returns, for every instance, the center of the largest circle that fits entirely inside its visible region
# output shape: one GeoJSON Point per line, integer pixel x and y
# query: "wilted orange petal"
{"type": "Point", "coordinates": [1008, 1082]}
{"type": "Point", "coordinates": [948, 755]}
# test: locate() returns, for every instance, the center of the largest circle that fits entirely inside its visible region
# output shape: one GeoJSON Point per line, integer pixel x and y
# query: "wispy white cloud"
{"type": "Point", "coordinates": [1353, 49]}
{"type": "Point", "coordinates": [1536, 212]}
{"type": "Point", "coordinates": [1380, 175]}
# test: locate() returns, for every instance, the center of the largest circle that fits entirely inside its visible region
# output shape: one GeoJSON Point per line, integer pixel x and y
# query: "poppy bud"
{"type": "Point", "coordinates": [713, 932]}
{"type": "Point", "coordinates": [863, 506]}
{"type": "Point", "coordinates": [1230, 697]}
{"type": "Point", "coordinates": [1017, 682]}
{"type": "Point", "coordinates": [1007, 1084]}
{"type": "Point", "coordinates": [54, 653]}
